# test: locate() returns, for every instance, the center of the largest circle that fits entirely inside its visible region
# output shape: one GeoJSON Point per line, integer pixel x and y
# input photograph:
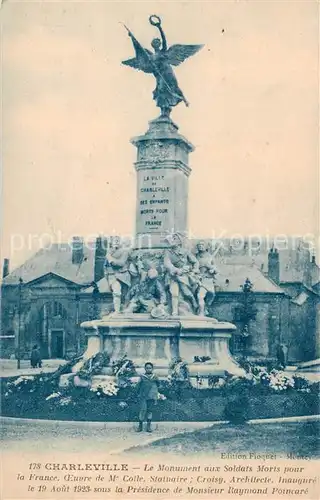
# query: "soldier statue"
{"type": "Point", "coordinates": [206, 289]}
{"type": "Point", "coordinates": [148, 295]}
{"type": "Point", "coordinates": [182, 273]}
{"type": "Point", "coordinates": [117, 273]}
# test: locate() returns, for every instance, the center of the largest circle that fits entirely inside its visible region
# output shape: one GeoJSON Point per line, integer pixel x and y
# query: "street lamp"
{"type": "Point", "coordinates": [19, 324]}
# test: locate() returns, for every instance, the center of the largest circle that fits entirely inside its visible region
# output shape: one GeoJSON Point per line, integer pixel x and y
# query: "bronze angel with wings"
{"type": "Point", "coordinates": [167, 93]}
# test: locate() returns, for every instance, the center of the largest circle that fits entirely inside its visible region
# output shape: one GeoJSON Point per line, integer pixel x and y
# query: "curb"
{"type": "Point", "coordinates": [104, 425]}
{"type": "Point", "coordinates": [199, 424]}
{"type": "Point", "coordinates": [303, 418]}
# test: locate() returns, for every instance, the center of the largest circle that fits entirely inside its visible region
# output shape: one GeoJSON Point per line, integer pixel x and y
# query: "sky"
{"type": "Point", "coordinates": [69, 110]}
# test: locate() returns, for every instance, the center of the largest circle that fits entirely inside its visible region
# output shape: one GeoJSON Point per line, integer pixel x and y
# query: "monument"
{"type": "Point", "coordinates": [163, 154]}
{"type": "Point", "coordinates": [162, 292]}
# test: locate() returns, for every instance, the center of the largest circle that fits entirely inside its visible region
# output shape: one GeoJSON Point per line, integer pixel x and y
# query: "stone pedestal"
{"type": "Point", "coordinates": [206, 337]}
{"type": "Point", "coordinates": [162, 183]}
{"type": "Point", "coordinates": [161, 341]}
{"type": "Point", "coordinates": [138, 336]}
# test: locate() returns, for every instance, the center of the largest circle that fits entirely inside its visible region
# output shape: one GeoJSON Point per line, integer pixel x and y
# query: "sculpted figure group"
{"type": "Point", "coordinates": [180, 283]}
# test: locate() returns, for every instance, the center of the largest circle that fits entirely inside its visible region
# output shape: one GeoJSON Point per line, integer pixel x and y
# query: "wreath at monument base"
{"type": "Point", "coordinates": [114, 397]}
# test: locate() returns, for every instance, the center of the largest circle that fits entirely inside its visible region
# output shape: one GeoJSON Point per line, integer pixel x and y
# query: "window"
{"type": "Point", "coordinates": [238, 313]}
{"type": "Point", "coordinates": [239, 344]}
{"type": "Point", "coordinates": [57, 309]}
{"type": "Point", "coordinates": [53, 310]}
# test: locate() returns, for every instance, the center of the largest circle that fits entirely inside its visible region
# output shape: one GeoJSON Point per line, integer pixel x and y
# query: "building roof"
{"type": "Point", "coordinates": [316, 287]}
{"type": "Point", "coordinates": [292, 264]}
{"type": "Point", "coordinates": [301, 299]}
{"type": "Point", "coordinates": [55, 259]}
{"type": "Point", "coordinates": [294, 255]}
{"type": "Point", "coordinates": [230, 278]}
{"type": "Point", "coordinates": [102, 285]}
{"type": "Point", "coordinates": [304, 295]}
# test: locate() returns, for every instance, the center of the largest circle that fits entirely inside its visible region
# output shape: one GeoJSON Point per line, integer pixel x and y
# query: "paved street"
{"type": "Point", "coordinates": [27, 436]}
{"type": "Point", "coordinates": [46, 437]}
{"type": "Point", "coordinates": [8, 367]}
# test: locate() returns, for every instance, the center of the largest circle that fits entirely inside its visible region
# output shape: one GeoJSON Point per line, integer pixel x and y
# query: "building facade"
{"type": "Point", "coordinates": [45, 300]}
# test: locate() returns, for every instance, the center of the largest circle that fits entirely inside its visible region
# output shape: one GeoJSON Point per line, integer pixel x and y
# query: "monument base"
{"type": "Point", "coordinates": [161, 341]}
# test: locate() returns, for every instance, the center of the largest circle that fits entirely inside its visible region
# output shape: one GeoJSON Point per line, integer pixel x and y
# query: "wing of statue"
{"type": "Point", "coordinates": [179, 53]}
{"type": "Point", "coordinates": [142, 61]}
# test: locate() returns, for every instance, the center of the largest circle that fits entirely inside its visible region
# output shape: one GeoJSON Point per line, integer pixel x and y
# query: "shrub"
{"type": "Point", "coordinates": [315, 388]}
{"type": "Point", "coordinates": [237, 385]}
{"type": "Point", "coordinates": [301, 383]}
{"type": "Point", "coordinates": [41, 395]}
{"type": "Point", "coordinates": [237, 409]}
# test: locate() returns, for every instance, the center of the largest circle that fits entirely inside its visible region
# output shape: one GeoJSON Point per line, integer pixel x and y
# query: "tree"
{"type": "Point", "coordinates": [246, 313]}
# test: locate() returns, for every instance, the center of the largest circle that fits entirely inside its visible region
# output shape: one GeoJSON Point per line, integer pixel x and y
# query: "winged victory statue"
{"type": "Point", "coordinates": [167, 93]}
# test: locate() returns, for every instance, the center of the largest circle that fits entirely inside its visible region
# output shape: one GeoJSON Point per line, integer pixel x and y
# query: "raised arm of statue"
{"type": "Point", "coordinates": [163, 38]}
{"type": "Point", "coordinates": [156, 21]}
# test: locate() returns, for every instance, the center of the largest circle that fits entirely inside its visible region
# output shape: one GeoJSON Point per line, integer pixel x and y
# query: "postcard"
{"type": "Point", "coordinates": [160, 292]}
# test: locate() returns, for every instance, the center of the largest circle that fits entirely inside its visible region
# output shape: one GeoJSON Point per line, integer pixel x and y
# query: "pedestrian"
{"type": "Point", "coordinates": [148, 395]}
{"type": "Point", "coordinates": [282, 356]}
{"type": "Point", "coordinates": [35, 358]}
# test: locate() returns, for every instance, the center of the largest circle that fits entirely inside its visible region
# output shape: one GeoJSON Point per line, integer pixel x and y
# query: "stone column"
{"type": "Point", "coordinates": [162, 183]}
